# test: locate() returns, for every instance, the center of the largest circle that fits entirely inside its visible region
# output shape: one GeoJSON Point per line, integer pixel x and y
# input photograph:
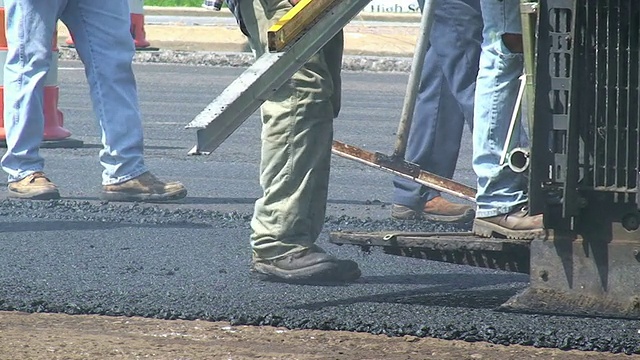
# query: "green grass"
{"type": "Point", "coordinates": [185, 3]}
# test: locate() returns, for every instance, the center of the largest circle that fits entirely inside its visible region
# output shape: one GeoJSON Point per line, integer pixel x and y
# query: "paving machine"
{"type": "Point", "coordinates": [581, 87]}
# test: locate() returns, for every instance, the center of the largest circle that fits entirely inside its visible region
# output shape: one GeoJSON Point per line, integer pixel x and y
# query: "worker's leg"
{"type": "Point", "coordinates": [297, 135]}
{"type": "Point", "coordinates": [500, 191]}
{"type": "Point", "coordinates": [101, 35]}
{"type": "Point", "coordinates": [30, 26]}
{"type": "Point", "coordinates": [444, 103]}
{"type": "Point", "coordinates": [436, 112]}
{"type": "Point", "coordinates": [103, 40]}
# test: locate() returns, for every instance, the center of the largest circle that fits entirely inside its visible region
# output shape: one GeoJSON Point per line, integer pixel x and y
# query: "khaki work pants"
{"type": "Point", "coordinates": [297, 133]}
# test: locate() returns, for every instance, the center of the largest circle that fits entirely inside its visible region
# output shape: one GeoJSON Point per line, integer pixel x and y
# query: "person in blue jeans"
{"type": "Point", "coordinates": [104, 44]}
{"type": "Point", "coordinates": [443, 105]}
{"type": "Point", "coordinates": [501, 198]}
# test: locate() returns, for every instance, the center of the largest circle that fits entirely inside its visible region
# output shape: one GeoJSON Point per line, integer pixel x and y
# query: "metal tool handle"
{"type": "Point", "coordinates": [515, 119]}
{"type": "Point", "coordinates": [414, 78]}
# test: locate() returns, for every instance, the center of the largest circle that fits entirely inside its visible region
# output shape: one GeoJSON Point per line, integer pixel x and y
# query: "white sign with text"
{"type": "Point", "coordinates": [392, 6]}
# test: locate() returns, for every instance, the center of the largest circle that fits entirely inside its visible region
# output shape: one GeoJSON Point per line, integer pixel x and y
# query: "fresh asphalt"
{"type": "Point", "coordinates": [190, 260]}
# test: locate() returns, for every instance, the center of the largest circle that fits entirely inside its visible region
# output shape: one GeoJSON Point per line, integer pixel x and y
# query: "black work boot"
{"type": "Point", "coordinates": [310, 266]}
{"type": "Point", "coordinates": [518, 224]}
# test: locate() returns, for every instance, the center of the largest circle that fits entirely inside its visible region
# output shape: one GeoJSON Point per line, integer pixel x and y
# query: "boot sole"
{"type": "Point", "coordinates": [487, 229]}
{"type": "Point", "coordinates": [463, 218]}
{"type": "Point", "coordinates": [320, 273]}
{"type": "Point", "coordinates": [142, 197]}
{"type": "Point", "coordinates": [42, 195]}
{"type": "Point", "coordinates": [404, 213]}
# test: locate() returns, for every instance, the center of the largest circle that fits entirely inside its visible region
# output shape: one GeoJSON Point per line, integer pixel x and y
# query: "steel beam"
{"type": "Point", "coordinates": [294, 22]}
{"type": "Point", "coordinates": [269, 72]}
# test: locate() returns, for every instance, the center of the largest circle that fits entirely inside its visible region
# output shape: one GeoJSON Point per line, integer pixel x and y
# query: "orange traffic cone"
{"type": "Point", "coordinates": [138, 33]}
{"type": "Point", "coordinates": [55, 135]}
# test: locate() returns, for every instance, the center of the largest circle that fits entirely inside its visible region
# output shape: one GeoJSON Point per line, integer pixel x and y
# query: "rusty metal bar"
{"type": "Point", "coordinates": [404, 169]}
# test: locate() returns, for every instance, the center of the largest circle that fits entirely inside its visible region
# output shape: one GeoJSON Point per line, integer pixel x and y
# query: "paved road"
{"type": "Point", "coordinates": [190, 260]}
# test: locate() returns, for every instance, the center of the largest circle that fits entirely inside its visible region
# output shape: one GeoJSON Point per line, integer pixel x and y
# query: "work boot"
{"type": "Point", "coordinates": [35, 186]}
{"type": "Point", "coordinates": [144, 188]}
{"type": "Point", "coordinates": [517, 224]}
{"type": "Point", "coordinates": [439, 209]}
{"type": "Point", "coordinates": [310, 266]}
{"type": "Point", "coordinates": [402, 212]}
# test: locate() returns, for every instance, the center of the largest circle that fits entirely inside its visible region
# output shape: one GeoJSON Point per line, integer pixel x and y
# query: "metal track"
{"type": "Point", "coordinates": [456, 248]}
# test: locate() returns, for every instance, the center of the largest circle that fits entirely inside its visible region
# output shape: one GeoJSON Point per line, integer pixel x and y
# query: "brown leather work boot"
{"type": "Point", "coordinates": [34, 186]}
{"type": "Point", "coordinates": [145, 187]}
{"type": "Point", "coordinates": [518, 224]}
{"type": "Point", "coordinates": [439, 209]}
{"type": "Point", "coordinates": [310, 266]}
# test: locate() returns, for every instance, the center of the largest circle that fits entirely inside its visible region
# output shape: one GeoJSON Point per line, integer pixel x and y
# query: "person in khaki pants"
{"type": "Point", "coordinates": [297, 133]}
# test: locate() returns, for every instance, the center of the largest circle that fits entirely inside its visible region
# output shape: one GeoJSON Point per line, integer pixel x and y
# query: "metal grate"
{"type": "Point", "coordinates": [607, 56]}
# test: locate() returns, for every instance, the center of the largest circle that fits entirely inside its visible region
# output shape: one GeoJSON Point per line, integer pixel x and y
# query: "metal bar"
{"type": "Point", "coordinates": [540, 120]}
{"type": "Point", "coordinates": [637, 124]}
{"type": "Point", "coordinates": [404, 169]}
{"type": "Point", "coordinates": [593, 12]}
{"type": "Point", "coordinates": [628, 142]}
{"type": "Point", "coordinates": [575, 64]}
{"type": "Point", "coordinates": [409, 104]}
{"type": "Point", "coordinates": [612, 87]}
{"type": "Point", "coordinates": [529, 15]}
{"type": "Point", "coordinates": [515, 119]}
{"type": "Point", "coordinates": [434, 241]}
{"type": "Point", "coordinates": [295, 21]}
{"type": "Point", "coordinates": [457, 248]}
{"type": "Point", "coordinates": [247, 93]}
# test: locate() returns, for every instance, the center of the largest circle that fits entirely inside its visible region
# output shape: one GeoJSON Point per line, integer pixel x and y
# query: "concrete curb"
{"type": "Point", "coordinates": [202, 58]}
{"type": "Point", "coordinates": [194, 45]}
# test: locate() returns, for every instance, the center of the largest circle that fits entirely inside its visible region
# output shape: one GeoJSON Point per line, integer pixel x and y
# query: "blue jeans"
{"type": "Point", "coordinates": [445, 97]}
{"type": "Point", "coordinates": [500, 190]}
{"type": "Point", "coordinates": [102, 39]}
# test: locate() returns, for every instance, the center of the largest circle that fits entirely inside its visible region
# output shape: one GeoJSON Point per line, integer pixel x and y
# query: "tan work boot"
{"type": "Point", "coordinates": [439, 209]}
{"type": "Point", "coordinates": [34, 186]}
{"type": "Point", "coordinates": [436, 209]}
{"type": "Point", "coordinates": [145, 187]}
{"type": "Point", "coordinates": [517, 224]}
